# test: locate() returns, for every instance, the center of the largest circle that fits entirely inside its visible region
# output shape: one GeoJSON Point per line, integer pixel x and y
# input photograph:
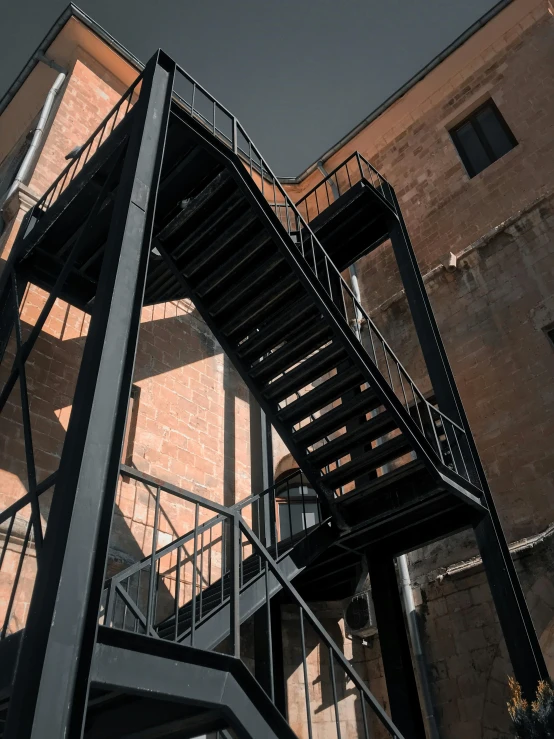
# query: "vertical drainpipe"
{"type": "Point", "coordinates": [402, 562]}
{"type": "Point", "coordinates": [38, 134]}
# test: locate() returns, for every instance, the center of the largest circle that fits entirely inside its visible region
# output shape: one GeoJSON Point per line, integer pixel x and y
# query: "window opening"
{"type": "Point", "coordinates": [482, 138]}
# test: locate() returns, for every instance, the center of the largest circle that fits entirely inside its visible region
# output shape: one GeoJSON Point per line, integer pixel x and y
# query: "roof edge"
{"type": "Point", "coordinates": [71, 11]}
{"type": "Point", "coordinates": [423, 72]}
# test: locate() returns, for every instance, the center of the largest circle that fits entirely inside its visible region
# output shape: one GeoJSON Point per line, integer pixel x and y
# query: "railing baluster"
{"type": "Point", "coordinates": [7, 539]}
{"type": "Point", "coordinates": [149, 613]}
{"type": "Point", "coordinates": [8, 616]}
{"type": "Point", "coordinates": [334, 686]}
{"type": "Point", "coordinates": [289, 509]}
{"type": "Point", "coordinates": [439, 448]}
{"type": "Point", "coordinates": [201, 572]}
{"type": "Point", "coordinates": [194, 575]}
{"type": "Point", "coordinates": [402, 386]}
{"type": "Point", "coordinates": [224, 543]}
{"type": "Point", "coordinates": [364, 716]}
{"type": "Point", "coordinates": [305, 669]}
{"type": "Point", "coordinates": [235, 136]}
{"type": "Point", "coordinates": [235, 586]}
{"type": "Point", "coordinates": [177, 594]}
{"type": "Point", "coordinates": [456, 433]}
{"type": "Point", "coordinates": [385, 352]}
{"type": "Point", "coordinates": [449, 445]}
{"type": "Point", "coordinates": [268, 627]}
{"type": "Point", "coordinates": [416, 403]}
{"type": "Point", "coordinates": [210, 559]}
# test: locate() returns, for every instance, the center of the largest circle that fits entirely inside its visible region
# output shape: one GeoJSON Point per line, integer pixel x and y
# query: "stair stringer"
{"type": "Point", "coordinates": [440, 473]}
{"type": "Point", "coordinates": [135, 664]}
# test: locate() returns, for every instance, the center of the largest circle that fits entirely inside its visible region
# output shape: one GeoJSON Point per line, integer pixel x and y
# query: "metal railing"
{"type": "Point", "coordinates": [209, 567]}
{"type": "Point", "coordinates": [354, 169]}
{"type": "Point", "coordinates": [342, 678]}
{"type": "Point", "coordinates": [18, 558]}
{"type": "Point", "coordinates": [90, 147]}
{"type": "Point", "coordinates": [187, 579]}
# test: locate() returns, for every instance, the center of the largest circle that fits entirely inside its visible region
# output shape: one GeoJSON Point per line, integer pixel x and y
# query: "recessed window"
{"type": "Point", "coordinates": [550, 333]}
{"type": "Point", "coordinates": [482, 138]}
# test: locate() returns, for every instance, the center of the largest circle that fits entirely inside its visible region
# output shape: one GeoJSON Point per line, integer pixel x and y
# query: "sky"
{"type": "Point", "coordinates": [299, 74]}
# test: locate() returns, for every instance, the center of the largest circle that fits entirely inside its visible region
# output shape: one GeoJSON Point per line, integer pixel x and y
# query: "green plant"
{"type": "Point", "coordinates": [534, 721]}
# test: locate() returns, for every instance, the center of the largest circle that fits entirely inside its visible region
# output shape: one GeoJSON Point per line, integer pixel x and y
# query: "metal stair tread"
{"type": "Point", "coordinates": [308, 371]}
{"type": "Point", "coordinates": [301, 344]}
{"type": "Point", "coordinates": [370, 430]}
{"type": "Point", "coordinates": [336, 418]}
{"type": "Point", "coordinates": [243, 287]}
{"type": "Point", "coordinates": [233, 262]}
{"type": "Point", "coordinates": [322, 395]}
{"type": "Point", "coordinates": [253, 311]}
{"type": "Point", "coordinates": [371, 460]}
{"type": "Point", "coordinates": [271, 332]}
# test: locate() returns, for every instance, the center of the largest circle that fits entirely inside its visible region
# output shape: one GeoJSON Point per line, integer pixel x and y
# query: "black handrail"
{"type": "Point", "coordinates": [340, 180]}
{"type": "Point", "coordinates": [94, 141]}
{"type": "Point", "coordinates": [335, 653]}
{"type": "Point", "coordinates": [118, 586]}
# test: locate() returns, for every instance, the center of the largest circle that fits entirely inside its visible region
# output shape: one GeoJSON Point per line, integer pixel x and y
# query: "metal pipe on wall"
{"type": "Point", "coordinates": [38, 134]}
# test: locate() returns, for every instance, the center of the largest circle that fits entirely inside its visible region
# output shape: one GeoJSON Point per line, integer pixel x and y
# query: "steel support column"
{"type": "Point", "coordinates": [51, 682]}
{"type": "Point", "coordinates": [515, 620]}
{"type": "Point", "coordinates": [261, 459]}
{"type": "Point", "coordinates": [395, 648]}
{"type": "Point", "coordinates": [261, 470]}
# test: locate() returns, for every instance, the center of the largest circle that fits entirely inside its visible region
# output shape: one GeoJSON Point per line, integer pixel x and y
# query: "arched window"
{"type": "Point", "coordinates": [297, 504]}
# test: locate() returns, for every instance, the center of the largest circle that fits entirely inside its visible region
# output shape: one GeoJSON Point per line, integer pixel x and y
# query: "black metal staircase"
{"type": "Point", "coordinates": [166, 201]}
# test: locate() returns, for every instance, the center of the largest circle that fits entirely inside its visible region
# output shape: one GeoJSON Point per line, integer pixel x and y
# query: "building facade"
{"type": "Point", "coordinates": [469, 147]}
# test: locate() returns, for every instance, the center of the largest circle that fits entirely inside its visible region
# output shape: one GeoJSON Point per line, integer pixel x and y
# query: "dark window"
{"type": "Point", "coordinates": [550, 334]}
{"type": "Point", "coordinates": [482, 138]}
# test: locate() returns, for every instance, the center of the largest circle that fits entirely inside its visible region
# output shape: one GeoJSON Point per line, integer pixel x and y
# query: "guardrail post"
{"type": "Point", "coordinates": [50, 689]}
{"type": "Point", "coordinates": [235, 136]}
{"type": "Point", "coordinates": [234, 582]}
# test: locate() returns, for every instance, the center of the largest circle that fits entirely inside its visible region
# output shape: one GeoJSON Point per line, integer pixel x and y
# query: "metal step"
{"type": "Point", "coordinates": [300, 346]}
{"type": "Point", "coordinates": [272, 332]}
{"type": "Point", "coordinates": [246, 227]}
{"type": "Point", "coordinates": [234, 264]}
{"type": "Point", "coordinates": [368, 431]}
{"type": "Point", "coordinates": [272, 268]}
{"type": "Point", "coordinates": [259, 307]}
{"type": "Point", "coordinates": [309, 371]}
{"type": "Point", "coordinates": [371, 460]}
{"type": "Point", "coordinates": [322, 395]}
{"type": "Point", "coordinates": [336, 418]}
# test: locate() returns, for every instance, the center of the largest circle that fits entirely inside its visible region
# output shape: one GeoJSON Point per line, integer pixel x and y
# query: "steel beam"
{"type": "Point", "coordinates": [517, 626]}
{"type": "Point", "coordinates": [395, 647]}
{"type": "Point", "coordinates": [51, 682]}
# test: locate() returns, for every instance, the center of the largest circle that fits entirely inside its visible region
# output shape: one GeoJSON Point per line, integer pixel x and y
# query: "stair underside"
{"type": "Point", "coordinates": [139, 683]}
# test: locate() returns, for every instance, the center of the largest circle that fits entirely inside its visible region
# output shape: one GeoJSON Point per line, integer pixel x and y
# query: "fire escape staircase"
{"type": "Point", "coordinates": [389, 468]}
{"type": "Point", "coordinates": [281, 310]}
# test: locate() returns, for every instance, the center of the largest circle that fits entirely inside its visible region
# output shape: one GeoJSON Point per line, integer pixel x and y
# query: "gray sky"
{"type": "Point", "coordinates": [298, 73]}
